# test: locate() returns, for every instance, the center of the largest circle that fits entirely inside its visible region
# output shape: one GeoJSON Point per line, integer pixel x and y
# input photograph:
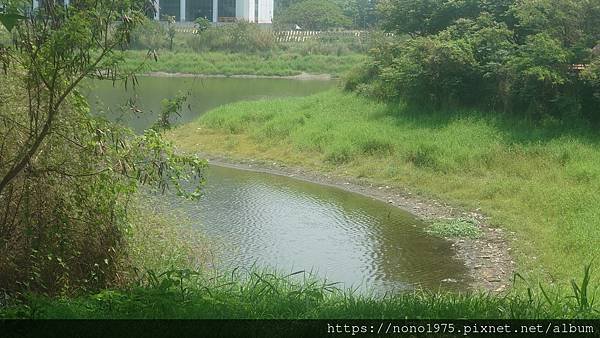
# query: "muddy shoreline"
{"type": "Point", "coordinates": [301, 77]}
{"type": "Point", "coordinates": [487, 258]}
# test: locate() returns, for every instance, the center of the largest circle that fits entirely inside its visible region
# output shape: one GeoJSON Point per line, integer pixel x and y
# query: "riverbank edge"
{"type": "Point", "coordinates": [488, 258]}
{"type": "Point", "coordinates": [301, 77]}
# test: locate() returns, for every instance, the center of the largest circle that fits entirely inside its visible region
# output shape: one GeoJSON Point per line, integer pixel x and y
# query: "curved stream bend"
{"type": "Point", "coordinates": [289, 224]}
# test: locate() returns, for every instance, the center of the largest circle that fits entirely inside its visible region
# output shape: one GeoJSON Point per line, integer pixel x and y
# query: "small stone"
{"type": "Point", "coordinates": [449, 280]}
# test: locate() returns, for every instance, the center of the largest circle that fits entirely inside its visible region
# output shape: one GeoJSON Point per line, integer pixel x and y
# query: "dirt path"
{"type": "Point", "coordinates": [487, 258]}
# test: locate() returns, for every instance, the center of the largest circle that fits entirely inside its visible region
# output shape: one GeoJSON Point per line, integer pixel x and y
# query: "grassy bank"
{"type": "Point", "coordinates": [539, 180]}
{"type": "Point", "coordinates": [267, 64]}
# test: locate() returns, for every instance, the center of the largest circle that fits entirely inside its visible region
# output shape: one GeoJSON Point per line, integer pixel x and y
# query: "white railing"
{"type": "Point", "coordinates": [301, 36]}
{"type": "Point", "coordinates": [291, 35]}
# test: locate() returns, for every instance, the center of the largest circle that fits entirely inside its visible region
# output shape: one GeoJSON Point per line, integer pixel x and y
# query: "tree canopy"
{"type": "Point", "coordinates": [532, 56]}
{"type": "Point", "coordinates": [313, 15]}
{"type": "Point", "coordinates": [66, 176]}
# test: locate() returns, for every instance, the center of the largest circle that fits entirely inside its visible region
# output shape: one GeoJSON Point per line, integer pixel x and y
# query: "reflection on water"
{"type": "Point", "coordinates": [293, 225]}
{"type": "Point", "coordinates": [204, 94]}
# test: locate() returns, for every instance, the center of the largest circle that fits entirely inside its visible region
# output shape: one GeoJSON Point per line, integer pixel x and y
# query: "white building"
{"type": "Point", "coordinates": [259, 11]}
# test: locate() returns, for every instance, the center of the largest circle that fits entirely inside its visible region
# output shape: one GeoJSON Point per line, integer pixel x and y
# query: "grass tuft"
{"type": "Point", "coordinates": [455, 228]}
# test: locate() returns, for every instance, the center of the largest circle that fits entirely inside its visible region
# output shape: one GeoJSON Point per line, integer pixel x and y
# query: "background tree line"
{"type": "Point", "coordinates": [536, 57]}
{"type": "Point", "coordinates": [325, 14]}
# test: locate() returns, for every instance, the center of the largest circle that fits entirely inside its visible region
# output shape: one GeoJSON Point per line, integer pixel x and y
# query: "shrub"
{"type": "Point", "coordinates": [66, 177]}
{"type": "Point", "coordinates": [202, 24]}
{"type": "Point", "coordinates": [515, 56]}
{"type": "Point", "coordinates": [241, 36]}
{"type": "Point", "coordinates": [150, 35]}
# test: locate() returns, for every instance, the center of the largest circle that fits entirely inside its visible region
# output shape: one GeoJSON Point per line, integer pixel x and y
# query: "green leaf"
{"type": "Point", "coordinates": [10, 20]}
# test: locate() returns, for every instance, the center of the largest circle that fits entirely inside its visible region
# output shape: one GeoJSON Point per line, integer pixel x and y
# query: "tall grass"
{"type": "Point", "coordinates": [539, 180]}
{"type": "Point", "coordinates": [256, 294]}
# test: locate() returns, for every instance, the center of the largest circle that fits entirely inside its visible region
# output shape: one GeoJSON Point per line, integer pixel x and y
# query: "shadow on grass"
{"type": "Point", "coordinates": [516, 129]}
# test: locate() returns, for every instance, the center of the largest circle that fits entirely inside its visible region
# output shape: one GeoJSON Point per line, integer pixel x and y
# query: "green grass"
{"type": "Point", "coordinates": [186, 294]}
{"type": "Point", "coordinates": [539, 180]}
{"type": "Point", "coordinates": [455, 228]}
{"type": "Point", "coordinates": [269, 64]}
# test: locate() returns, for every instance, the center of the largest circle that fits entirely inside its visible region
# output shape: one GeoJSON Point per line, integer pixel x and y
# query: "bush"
{"type": "Point", "coordinates": [150, 35]}
{"type": "Point", "coordinates": [241, 36]}
{"type": "Point", "coordinates": [202, 24]}
{"type": "Point", "coordinates": [482, 62]}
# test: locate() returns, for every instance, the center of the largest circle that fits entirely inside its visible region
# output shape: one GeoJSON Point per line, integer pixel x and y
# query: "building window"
{"type": "Point", "coordinates": [169, 8]}
{"type": "Point", "coordinates": [199, 9]}
{"type": "Point", "coordinates": [227, 8]}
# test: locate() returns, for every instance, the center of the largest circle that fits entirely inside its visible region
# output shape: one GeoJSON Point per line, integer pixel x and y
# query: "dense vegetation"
{"type": "Point", "coordinates": [313, 15]}
{"type": "Point", "coordinates": [67, 178]}
{"type": "Point", "coordinates": [536, 58]}
{"type": "Point", "coordinates": [310, 14]}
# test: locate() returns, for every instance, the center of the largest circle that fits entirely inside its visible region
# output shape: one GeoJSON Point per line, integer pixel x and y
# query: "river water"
{"type": "Point", "coordinates": [290, 225]}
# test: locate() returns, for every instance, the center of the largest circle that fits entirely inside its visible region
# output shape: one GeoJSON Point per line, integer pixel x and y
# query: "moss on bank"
{"type": "Point", "coordinates": [538, 180]}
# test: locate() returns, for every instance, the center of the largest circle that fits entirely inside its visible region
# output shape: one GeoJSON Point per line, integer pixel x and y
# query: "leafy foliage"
{"type": "Point", "coordinates": [521, 56]}
{"type": "Point", "coordinates": [361, 13]}
{"type": "Point", "coordinates": [313, 15]}
{"type": "Point", "coordinates": [66, 177]}
{"type": "Point", "coordinates": [202, 24]}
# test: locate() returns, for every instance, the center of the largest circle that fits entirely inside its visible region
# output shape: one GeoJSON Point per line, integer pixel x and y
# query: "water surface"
{"type": "Point", "coordinates": [276, 221]}
{"type": "Point", "coordinates": [291, 225]}
{"type": "Point", "coordinates": [111, 100]}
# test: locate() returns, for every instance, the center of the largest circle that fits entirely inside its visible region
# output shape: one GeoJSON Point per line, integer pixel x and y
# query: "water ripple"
{"type": "Point", "coordinates": [289, 224]}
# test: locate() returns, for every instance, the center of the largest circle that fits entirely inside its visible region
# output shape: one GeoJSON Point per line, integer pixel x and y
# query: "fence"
{"type": "Point", "coordinates": [292, 35]}
{"type": "Point", "coordinates": [301, 36]}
